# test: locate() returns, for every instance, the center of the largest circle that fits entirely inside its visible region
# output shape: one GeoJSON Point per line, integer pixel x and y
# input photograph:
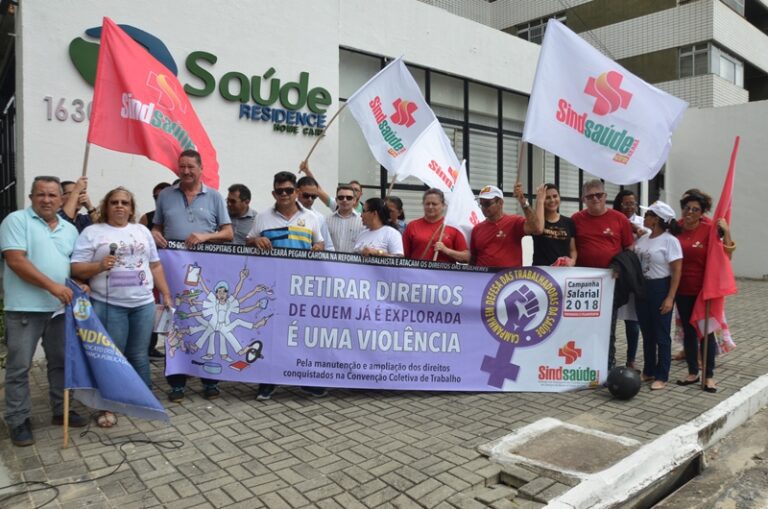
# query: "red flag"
{"type": "Point", "coordinates": [718, 272]}
{"type": "Point", "coordinates": [139, 107]}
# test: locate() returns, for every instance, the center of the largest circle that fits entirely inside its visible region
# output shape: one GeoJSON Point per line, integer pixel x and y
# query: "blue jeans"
{"type": "Point", "coordinates": [130, 330]}
{"type": "Point", "coordinates": [657, 343]}
{"type": "Point", "coordinates": [23, 329]}
{"type": "Point", "coordinates": [632, 330]}
{"type": "Point", "coordinates": [691, 338]}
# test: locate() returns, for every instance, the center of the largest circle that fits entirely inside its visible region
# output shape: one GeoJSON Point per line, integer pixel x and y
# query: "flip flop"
{"type": "Point", "coordinates": [106, 420]}
{"type": "Point", "coordinates": [689, 382]}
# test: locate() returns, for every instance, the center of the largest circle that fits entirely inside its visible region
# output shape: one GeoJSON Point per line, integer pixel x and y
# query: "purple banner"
{"type": "Point", "coordinates": [329, 319]}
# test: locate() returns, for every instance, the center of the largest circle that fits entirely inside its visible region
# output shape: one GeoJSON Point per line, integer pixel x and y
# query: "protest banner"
{"type": "Point", "coordinates": [591, 111]}
{"type": "Point", "coordinates": [98, 370]}
{"type": "Point", "coordinates": [297, 317]}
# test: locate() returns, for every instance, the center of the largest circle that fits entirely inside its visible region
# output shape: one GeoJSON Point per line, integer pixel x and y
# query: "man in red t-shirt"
{"type": "Point", "coordinates": [496, 242]}
{"type": "Point", "coordinates": [601, 234]}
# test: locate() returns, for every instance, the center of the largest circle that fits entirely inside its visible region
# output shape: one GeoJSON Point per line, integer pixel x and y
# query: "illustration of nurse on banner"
{"type": "Point", "coordinates": [215, 314]}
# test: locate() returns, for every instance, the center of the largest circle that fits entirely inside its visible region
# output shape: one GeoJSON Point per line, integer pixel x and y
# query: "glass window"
{"type": "Point", "coordinates": [482, 164]}
{"type": "Point", "coordinates": [355, 70]}
{"type": "Point", "coordinates": [533, 31]}
{"type": "Point", "coordinates": [694, 60]}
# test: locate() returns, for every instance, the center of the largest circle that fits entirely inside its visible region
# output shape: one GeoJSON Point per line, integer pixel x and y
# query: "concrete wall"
{"type": "Point", "coordinates": [701, 148]}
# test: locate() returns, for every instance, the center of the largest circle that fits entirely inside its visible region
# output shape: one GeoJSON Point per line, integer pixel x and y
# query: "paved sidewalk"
{"type": "Point", "coordinates": [353, 448]}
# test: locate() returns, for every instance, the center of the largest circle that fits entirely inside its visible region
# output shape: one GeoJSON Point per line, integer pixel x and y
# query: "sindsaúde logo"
{"type": "Point", "coordinates": [609, 98]}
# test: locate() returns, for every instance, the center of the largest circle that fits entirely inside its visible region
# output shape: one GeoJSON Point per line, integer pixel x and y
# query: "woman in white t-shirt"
{"type": "Point", "coordinates": [661, 258]}
{"type": "Point", "coordinates": [378, 239]}
{"type": "Point", "coordinates": [118, 258]}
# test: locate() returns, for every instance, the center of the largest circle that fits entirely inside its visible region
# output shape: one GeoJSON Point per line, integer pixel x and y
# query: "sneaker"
{"type": "Point", "coordinates": [315, 392]}
{"type": "Point", "coordinates": [211, 391]}
{"type": "Point", "coordinates": [21, 435]}
{"type": "Point", "coordinates": [265, 391]}
{"type": "Point", "coordinates": [75, 420]}
{"type": "Point", "coordinates": [176, 395]}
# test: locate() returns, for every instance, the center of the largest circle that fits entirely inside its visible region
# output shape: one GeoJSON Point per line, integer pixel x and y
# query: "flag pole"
{"type": "Point", "coordinates": [704, 348]}
{"type": "Point", "coordinates": [325, 130]}
{"type": "Point", "coordinates": [391, 185]}
{"type": "Point", "coordinates": [66, 418]}
{"type": "Point", "coordinates": [85, 157]}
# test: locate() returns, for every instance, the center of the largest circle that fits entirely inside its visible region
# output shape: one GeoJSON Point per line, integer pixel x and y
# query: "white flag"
{"type": "Point", "coordinates": [432, 160]}
{"type": "Point", "coordinates": [463, 212]}
{"type": "Point", "coordinates": [589, 110]}
{"type": "Point", "coordinates": [392, 114]}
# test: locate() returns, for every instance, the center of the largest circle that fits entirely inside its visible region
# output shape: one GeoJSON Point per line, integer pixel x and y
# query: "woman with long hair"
{"type": "Point", "coordinates": [557, 243]}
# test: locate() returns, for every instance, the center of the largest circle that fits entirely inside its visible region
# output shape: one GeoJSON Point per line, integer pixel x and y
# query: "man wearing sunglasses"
{"type": "Point", "coordinates": [329, 200]}
{"type": "Point", "coordinates": [286, 225]}
{"type": "Point", "coordinates": [345, 224]}
{"type": "Point", "coordinates": [497, 241]}
{"type": "Point", "coordinates": [308, 192]}
{"type": "Point", "coordinates": [601, 234]}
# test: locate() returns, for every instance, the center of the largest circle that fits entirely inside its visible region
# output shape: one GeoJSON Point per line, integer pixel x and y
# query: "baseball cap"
{"type": "Point", "coordinates": [490, 192]}
{"type": "Point", "coordinates": [661, 209]}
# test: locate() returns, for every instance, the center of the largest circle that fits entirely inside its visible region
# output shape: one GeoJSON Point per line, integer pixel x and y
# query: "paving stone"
{"type": "Point", "coordinates": [532, 489]}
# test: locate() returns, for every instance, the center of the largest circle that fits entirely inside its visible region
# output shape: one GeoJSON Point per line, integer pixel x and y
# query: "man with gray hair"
{"type": "Point", "coordinates": [601, 234]}
{"type": "Point", "coordinates": [36, 244]}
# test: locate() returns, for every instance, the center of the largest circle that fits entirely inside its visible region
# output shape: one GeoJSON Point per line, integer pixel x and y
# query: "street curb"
{"type": "Point", "coordinates": [652, 462]}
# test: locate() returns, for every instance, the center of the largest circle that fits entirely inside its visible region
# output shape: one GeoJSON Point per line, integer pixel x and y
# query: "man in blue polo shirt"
{"type": "Point", "coordinates": [193, 213]}
{"type": "Point", "coordinates": [36, 244]}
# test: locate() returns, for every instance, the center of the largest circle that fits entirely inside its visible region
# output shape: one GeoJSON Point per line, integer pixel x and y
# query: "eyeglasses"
{"type": "Point", "coordinates": [124, 203]}
{"type": "Point", "coordinates": [594, 196]}
{"type": "Point", "coordinates": [691, 209]}
{"type": "Point", "coordinates": [486, 203]}
{"type": "Point", "coordinates": [308, 196]}
{"type": "Point", "coordinates": [282, 191]}
{"type": "Point", "coordinates": [345, 198]}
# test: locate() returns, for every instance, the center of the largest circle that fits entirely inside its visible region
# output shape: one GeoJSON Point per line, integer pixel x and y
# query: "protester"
{"type": "Point", "coordinates": [497, 241]}
{"type": "Point", "coordinates": [36, 244]}
{"type": "Point", "coordinates": [426, 236]}
{"type": "Point", "coordinates": [286, 225]}
{"type": "Point", "coordinates": [601, 234]}
{"type": "Point", "coordinates": [380, 239]}
{"type": "Point", "coordinates": [146, 220]}
{"type": "Point", "coordinates": [345, 224]}
{"type": "Point", "coordinates": [660, 256]}
{"type": "Point", "coordinates": [75, 198]}
{"type": "Point", "coordinates": [396, 213]}
{"type": "Point", "coordinates": [626, 203]}
{"type": "Point", "coordinates": [556, 245]}
{"type": "Point", "coordinates": [326, 198]}
{"type": "Point", "coordinates": [307, 190]}
{"type": "Point", "coordinates": [240, 212]}
{"type": "Point", "coordinates": [119, 260]}
{"type": "Point", "coordinates": [193, 213]}
{"type": "Point", "coordinates": [694, 238]}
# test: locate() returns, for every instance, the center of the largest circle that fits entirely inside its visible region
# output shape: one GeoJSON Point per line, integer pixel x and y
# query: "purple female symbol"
{"type": "Point", "coordinates": [531, 300]}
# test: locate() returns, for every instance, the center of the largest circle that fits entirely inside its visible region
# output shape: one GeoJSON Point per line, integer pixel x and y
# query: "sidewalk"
{"type": "Point", "coordinates": [354, 448]}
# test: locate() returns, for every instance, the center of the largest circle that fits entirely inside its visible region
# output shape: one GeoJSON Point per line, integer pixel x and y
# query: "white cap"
{"type": "Point", "coordinates": [662, 210]}
{"type": "Point", "coordinates": [490, 192]}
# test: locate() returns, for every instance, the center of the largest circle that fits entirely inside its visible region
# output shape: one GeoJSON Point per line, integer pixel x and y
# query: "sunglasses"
{"type": "Point", "coordinates": [345, 198]}
{"type": "Point", "coordinates": [691, 209]}
{"type": "Point", "coordinates": [309, 196]}
{"type": "Point", "coordinates": [594, 196]}
{"type": "Point", "coordinates": [282, 191]}
{"type": "Point", "coordinates": [124, 203]}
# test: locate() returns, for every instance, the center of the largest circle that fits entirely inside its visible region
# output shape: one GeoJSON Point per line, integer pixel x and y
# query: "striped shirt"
{"type": "Point", "coordinates": [344, 230]}
{"type": "Point", "coordinates": [300, 231]}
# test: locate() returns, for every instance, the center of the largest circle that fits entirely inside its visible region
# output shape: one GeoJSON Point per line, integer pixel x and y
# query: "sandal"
{"type": "Point", "coordinates": [658, 385]}
{"type": "Point", "coordinates": [710, 388]}
{"type": "Point", "coordinates": [689, 382]}
{"type": "Point", "coordinates": [106, 419]}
